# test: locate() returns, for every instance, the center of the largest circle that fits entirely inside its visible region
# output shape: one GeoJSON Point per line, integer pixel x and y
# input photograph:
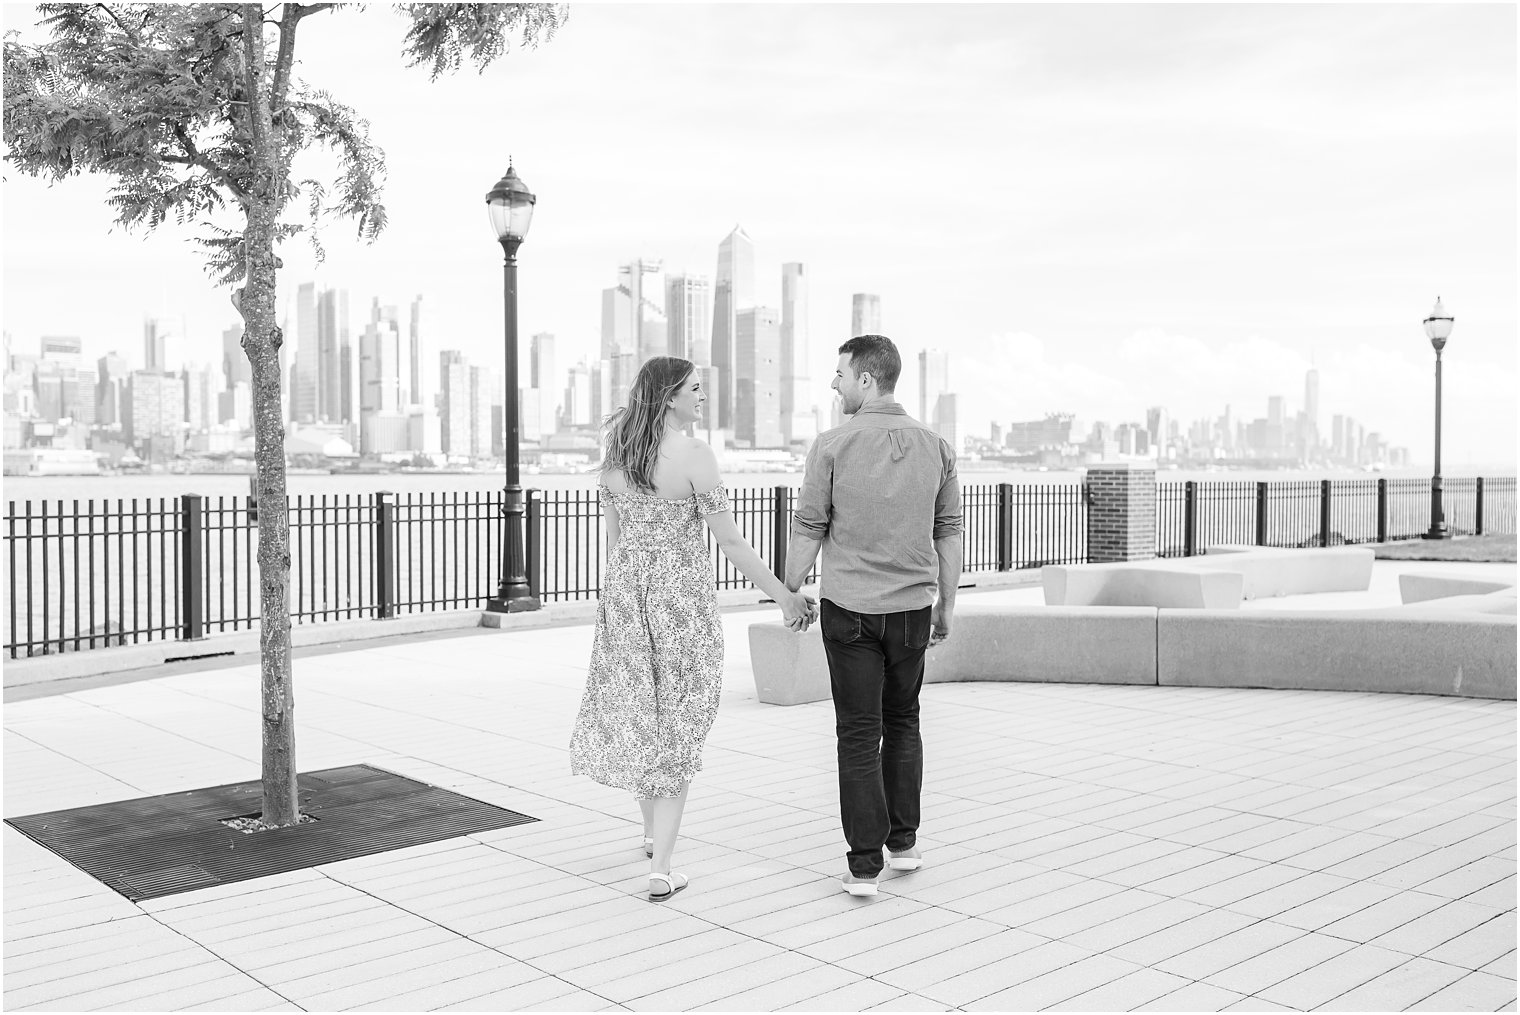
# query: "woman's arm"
{"type": "Point", "coordinates": [609, 519]}
{"type": "Point", "coordinates": [704, 477]}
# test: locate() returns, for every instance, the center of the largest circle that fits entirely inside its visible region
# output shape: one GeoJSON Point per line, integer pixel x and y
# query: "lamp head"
{"type": "Point", "coordinates": [1438, 326]}
{"type": "Point", "coordinates": [510, 204]}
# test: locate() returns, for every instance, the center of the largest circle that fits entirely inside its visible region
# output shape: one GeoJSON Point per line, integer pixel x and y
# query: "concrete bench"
{"type": "Point", "coordinates": [1051, 644]}
{"type": "Point", "coordinates": [1425, 586]}
{"type": "Point", "coordinates": [1219, 579]}
{"type": "Point", "coordinates": [1410, 649]}
{"type": "Point", "coordinates": [1456, 645]}
{"type": "Point", "coordinates": [1270, 571]}
{"type": "Point", "coordinates": [1154, 583]}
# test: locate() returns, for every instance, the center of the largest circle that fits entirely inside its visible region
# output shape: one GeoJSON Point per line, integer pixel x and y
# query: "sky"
{"type": "Point", "coordinates": [1091, 208]}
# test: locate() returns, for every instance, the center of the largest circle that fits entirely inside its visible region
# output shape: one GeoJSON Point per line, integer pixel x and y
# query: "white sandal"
{"type": "Point", "coordinates": [671, 886]}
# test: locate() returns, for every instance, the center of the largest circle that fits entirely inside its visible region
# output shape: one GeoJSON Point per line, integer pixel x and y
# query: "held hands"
{"type": "Point", "coordinates": [799, 611]}
{"type": "Point", "coordinates": [939, 623]}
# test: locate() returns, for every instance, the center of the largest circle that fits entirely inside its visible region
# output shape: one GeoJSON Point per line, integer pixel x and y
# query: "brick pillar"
{"type": "Point", "coordinates": [1121, 513]}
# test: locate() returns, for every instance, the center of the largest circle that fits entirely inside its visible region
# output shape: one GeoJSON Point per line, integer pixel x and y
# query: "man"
{"type": "Point", "coordinates": [882, 499]}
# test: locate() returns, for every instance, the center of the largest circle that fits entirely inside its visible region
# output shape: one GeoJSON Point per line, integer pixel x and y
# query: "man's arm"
{"type": "Point", "coordinates": [948, 550]}
{"type": "Point", "coordinates": [947, 547]}
{"type": "Point", "coordinates": [810, 521]}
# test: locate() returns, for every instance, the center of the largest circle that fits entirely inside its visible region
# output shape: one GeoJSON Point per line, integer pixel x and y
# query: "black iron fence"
{"type": "Point", "coordinates": [1194, 516]}
{"type": "Point", "coordinates": [89, 574]}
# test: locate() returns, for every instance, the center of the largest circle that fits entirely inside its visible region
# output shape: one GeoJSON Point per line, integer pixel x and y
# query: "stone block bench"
{"type": "Point", "coordinates": [1425, 587]}
{"type": "Point", "coordinates": [1457, 645]}
{"type": "Point", "coordinates": [1219, 579]}
{"type": "Point", "coordinates": [1050, 644]}
{"type": "Point", "coordinates": [1141, 583]}
{"type": "Point", "coordinates": [1422, 649]}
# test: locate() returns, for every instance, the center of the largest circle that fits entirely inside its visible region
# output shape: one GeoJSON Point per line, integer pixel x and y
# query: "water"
{"type": "Point", "coordinates": [84, 488]}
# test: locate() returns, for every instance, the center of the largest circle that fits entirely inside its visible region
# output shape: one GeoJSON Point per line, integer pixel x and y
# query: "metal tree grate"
{"type": "Point", "coordinates": [163, 845]}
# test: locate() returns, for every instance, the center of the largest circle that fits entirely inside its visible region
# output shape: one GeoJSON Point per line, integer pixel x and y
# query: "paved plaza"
{"type": "Point", "coordinates": [1086, 847]}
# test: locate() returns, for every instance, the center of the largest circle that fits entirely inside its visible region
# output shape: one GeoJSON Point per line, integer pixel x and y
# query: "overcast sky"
{"type": "Point", "coordinates": [1092, 208]}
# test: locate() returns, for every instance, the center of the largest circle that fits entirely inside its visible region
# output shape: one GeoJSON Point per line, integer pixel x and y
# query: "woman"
{"type": "Point", "coordinates": [657, 661]}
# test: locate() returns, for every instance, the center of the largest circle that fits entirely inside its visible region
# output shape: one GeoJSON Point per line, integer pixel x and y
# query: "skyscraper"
{"type": "Point", "coordinates": [797, 419]}
{"type": "Point", "coordinates": [947, 420]}
{"type": "Point", "coordinates": [333, 344]}
{"type": "Point", "coordinates": [382, 421]}
{"type": "Point", "coordinates": [689, 317]}
{"type": "Point", "coordinates": [110, 389]}
{"type": "Point", "coordinates": [577, 411]}
{"type": "Point", "coordinates": [158, 335]}
{"type": "Point", "coordinates": [543, 380]}
{"type": "Point", "coordinates": [865, 317]}
{"type": "Point", "coordinates": [733, 290]}
{"type": "Point", "coordinates": [757, 379]}
{"type": "Point", "coordinates": [235, 365]}
{"type": "Point", "coordinates": [303, 394]}
{"type": "Point", "coordinates": [200, 396]}
{"type": "Point", "coordinates": [646, 297]}
{"type": "Point", "coordinates": [1157, 425]}
{"type": "Point", "coordinates": [933, 381]}
{"type": "Point", "coordinates": [1311, 409]}
{"type": "Point", "coordinates": [454, 402]}
{"type": "Point", "coordinates": [416, 387]}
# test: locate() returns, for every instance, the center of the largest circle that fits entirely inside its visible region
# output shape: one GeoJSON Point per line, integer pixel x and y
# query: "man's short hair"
{"type": "Point", "coordinates": [877, 356]}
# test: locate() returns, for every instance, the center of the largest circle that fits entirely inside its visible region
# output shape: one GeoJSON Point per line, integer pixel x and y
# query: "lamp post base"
{"type": "Point", "coordinates": [1437, 533]}
{"type": "Point", "coordinates": [513, 604]}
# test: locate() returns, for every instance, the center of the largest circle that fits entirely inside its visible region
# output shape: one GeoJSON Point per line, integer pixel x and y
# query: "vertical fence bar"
{"type": "Point", "coordinates": [1261, 513]}
{"type": "Point", "coordinates": [385, 517]}
{"type": "Point", "coordinates": [1324, 512]}
{"type": "Point", "coordinates": [1382, 510]}
{"type": "Point", "coordinates": [192, 568]}
{"type": "Point", "coordinates": [1005, 527]}
{"type": "Point", "coordinates": [1190, 518]}
{"type": "Point", "coordinates": [1478, 508]}
{"type": "Point", "coordinates": [532, 543]}
{"type": "Point", "coordinates": [779, 526]}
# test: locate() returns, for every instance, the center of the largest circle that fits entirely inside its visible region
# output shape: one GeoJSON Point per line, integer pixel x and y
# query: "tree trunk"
{"type": "Point", "coordinates": [261, 341]}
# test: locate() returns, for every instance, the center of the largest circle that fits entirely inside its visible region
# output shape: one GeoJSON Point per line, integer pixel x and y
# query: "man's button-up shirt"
{"type": "Point", "coordinates": [878, 492]}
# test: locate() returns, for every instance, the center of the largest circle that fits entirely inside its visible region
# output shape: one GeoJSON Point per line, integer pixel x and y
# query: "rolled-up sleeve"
{"type": "Point", "coordinates": [947, 503]}
{"type": "Point", "coordinates": [815, 504]}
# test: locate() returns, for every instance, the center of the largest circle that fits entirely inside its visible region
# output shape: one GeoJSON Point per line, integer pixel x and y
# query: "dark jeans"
{"type": "Point", "coordinates": [876, 668]}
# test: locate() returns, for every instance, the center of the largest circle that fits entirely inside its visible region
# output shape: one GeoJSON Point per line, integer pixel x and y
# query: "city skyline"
{"type": "Point", "coordinates": [1180, 205]}
{"type": "Point", "coordinates": [381, 393]}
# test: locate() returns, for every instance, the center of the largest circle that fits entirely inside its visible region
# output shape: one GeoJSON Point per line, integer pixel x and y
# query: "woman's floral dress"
{"type": "Point", "coordinates": [657, 662]}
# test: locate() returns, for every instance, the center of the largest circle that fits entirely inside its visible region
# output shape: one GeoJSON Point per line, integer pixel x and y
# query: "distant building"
{"type": "Point", "coordinates": [1056, 431]}
{"type": "Point", "coordinates": [303, 394]}
{"type": "Point", "coordinates": [947, 420]}
{"type": "Point", "coordinates": [689, 317]}
{"type": "Point", "coordinates": [733, 291]}
{"type": "Point", "coordinates": [865, 315]}
{"type": "Point", "coordinates": [757, 372]}
{"type": "Point", "coordinates": [111, 389]}
{"type": "Point", "coordinates": [543, 381]}
{"type": "Point", "coordinates": [933, 381]}
{"type": "Point", "coordinates": [798, 422]}
{"type": "Point", "coordinates": [156, 407]}
{"type": "Point", "coordinates": [200, 396]}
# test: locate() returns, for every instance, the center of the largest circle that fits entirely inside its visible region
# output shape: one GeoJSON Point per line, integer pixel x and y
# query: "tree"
{"type": "Point", "coordinates": [194, 113]}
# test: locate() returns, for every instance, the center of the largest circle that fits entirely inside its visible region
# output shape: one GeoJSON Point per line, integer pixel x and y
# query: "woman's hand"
{"type": "Point", "coordinates": [798, 611]}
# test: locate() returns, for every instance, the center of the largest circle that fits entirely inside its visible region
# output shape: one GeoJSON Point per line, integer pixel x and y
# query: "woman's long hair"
{"type": "Point", "coordinates": [634, 432]}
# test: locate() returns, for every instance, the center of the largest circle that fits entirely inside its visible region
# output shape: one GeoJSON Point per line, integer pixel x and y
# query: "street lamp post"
{"type": "Point", "coordinates": [1438, 328]}
{"type": "Point", "coordinates": [510, 204]}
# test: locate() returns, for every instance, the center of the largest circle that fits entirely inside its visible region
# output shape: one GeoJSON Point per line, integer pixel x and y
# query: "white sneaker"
{"type": "Point", "coordinates": [909, 859]}
{"type": "Point", "coordinates": [858, 886]}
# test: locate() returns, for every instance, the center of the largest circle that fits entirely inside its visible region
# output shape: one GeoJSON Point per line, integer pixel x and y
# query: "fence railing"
{"type": "Point", "coordinates": [1195, 516]}
{"type": "Point", "coordinates": [90, 574]}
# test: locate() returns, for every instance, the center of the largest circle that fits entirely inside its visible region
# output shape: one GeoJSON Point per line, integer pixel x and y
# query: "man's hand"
{"type": "Point", "coordinates": [939, 622]}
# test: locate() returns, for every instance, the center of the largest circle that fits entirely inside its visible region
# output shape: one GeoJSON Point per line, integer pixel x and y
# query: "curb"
{"type": "Point", "coordinates": [353, 633]}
